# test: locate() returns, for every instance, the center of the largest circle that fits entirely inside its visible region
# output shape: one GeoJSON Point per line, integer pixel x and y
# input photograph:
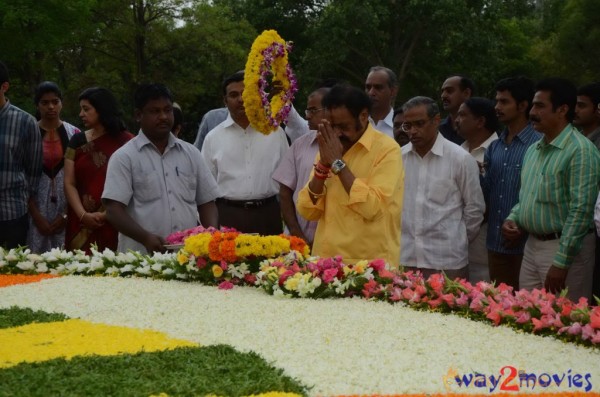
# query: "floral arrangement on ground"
{"type": "Point", "coordinates": [191, 337]}
{"type": "Point", "coordinates": [281, 266]}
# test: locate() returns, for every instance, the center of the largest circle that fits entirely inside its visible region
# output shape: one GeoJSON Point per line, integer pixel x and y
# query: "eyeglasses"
{"type": "Point", "coordinates": [419, 124]}
{"type": "Point", "coordinates": [310, 111]}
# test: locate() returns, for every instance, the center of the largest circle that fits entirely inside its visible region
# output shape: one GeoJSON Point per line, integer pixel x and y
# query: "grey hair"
{"type": "Point", "coordinates": [392, 78]}
{"type": "Point", "coordinates": [432, 107]}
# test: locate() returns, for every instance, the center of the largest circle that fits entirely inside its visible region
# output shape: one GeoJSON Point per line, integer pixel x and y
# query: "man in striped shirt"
{"type": "Point", "coordinates": [20, 166]}
{"type": "Point", "coordinates": [501, 181]}
{"type": "Point", "coordinates": [559, 186]}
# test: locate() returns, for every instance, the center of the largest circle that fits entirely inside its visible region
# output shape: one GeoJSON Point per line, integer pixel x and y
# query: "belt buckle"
{"type": "Point", "coordinates": [248, 204]}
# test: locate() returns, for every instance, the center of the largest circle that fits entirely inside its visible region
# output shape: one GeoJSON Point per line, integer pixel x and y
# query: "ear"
{"type": "Point", "coordinates": [394, 91]}
{"type": "Point", "coordinates": [522, 106]}
{"type": "Point", "coordinates": [481, 121]}
{"type": "Point", "coordinates": [138, 115]}
{"type": "Point", "coordinates": [363, 117]}
{"type": "Point", "coordinates": [562, 110]}
{"type": "Point", "coordinates": [4, 87]}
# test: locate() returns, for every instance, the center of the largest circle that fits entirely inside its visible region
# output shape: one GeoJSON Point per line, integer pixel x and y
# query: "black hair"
{"type": "Point", "coordinates": [45, 88]}
{"type": "Point", "coordinates": [352, 98]}
{"type": "Point", "coordinates": [562, 92]}
{"type": "Point", "coordinates": [4, 78]}
{"type": "Point", "coordinates": [397, 111]}
{"type": "Point", "coordinates": [148, 92]}
{"type": "Point", "coordinates": [521, 89]}
{"type": "Point", "coordinates": [591, 91]}
{"type": "Point", "coordinates": [483, 107]}
{"type": "Point", "coordinates": [107, 108]}
{"type": "Point", "coordinates": [234, 78]}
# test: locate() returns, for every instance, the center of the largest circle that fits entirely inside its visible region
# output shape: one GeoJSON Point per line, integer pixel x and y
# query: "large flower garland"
{"type": "Point", "coordinates": [268, 58]}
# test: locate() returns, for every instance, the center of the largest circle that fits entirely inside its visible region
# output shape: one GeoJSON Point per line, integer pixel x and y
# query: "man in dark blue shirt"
{"type": "Point", "coordinates": [502, 179]}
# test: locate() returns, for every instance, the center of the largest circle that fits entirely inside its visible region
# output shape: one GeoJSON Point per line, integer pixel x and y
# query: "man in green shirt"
{"type": "Point", "coordinates": [559, 186]}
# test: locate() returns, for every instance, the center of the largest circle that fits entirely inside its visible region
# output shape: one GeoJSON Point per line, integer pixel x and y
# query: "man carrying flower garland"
{"type": "Point", "coordinates": [356, 188]}
{"type": "Point", "coordinates": [242, 161]}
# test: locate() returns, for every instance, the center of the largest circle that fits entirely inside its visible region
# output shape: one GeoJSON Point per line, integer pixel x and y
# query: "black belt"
{"type": "Point", "coordinates": [552, 236]}
{"type": "Point", "coordinates": [247, 204]}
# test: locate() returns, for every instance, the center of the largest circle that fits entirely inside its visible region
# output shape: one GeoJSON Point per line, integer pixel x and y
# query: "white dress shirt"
{"type": "Point", "coordinates": [162, 192]}
{"type": "Point", "coordinates": [243, 160]}
{"type": "Point", "coordinates": [443, 206]}
{"type": "Point", "coordinates": [479, 151]}
{"type": "Point", "coordinates": [385, 125]}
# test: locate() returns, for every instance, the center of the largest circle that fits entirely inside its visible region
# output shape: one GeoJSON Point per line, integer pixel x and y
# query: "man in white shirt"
{"type": "Point", "coordinates": [242, 161]}
{"type": "Point", "coordinates": [382, 87]}
{"type": "Point", "coordinates": [443, 202]}
{"type": "Point", "coordinates": [476, 122]}
{"type": "Point", "coordinates": [157, 184]}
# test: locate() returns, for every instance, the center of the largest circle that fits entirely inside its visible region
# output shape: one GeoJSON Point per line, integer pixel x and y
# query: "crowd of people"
{"type": "Point", "coordinates": [502, 189]}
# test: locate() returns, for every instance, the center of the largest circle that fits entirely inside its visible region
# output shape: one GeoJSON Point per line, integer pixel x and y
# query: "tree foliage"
{"type": "Point", "coordinates": [191, 46]}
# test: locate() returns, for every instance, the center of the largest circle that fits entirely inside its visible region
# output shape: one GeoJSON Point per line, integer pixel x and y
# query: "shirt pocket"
{"type": "Point", "coordinates": [550, 190]}
{"type": "Point", "coordinates": [187, 184]}
{"type": "Point", "coordinates": [441, 191]}
{"type": "Point", "coordinates": [146, 187]}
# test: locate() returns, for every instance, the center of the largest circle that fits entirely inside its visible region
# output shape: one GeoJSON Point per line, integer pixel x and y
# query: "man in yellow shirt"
{"type": "Point", "coordinates": [356, 188]}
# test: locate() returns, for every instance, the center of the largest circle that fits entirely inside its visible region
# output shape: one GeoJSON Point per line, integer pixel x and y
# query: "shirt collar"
{"type": "Point", "coordinates": [388, 119]}
{"type": "Point", "coordinates": [5, 107]}
{"type": "Point", "coordinates": [484, 145]}
{"type": "Point", "coordinates": [366, 140]}
{"type": "Point", "coordinates": [437, 148]}
{"type": "Point", "coordinates": [142, 140]}
{"type": "Point", "coordinates": [524, 135]}
{"type": "Point", "coordinates": [561, 139]}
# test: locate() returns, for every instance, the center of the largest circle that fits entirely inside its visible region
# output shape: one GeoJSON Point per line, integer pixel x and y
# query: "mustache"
{"type": "Point", "coordinates": [534, 118]}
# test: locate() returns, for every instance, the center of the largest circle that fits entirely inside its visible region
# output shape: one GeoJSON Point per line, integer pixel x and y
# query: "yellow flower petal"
{"type": "Point", "coordinates": [70, 338]}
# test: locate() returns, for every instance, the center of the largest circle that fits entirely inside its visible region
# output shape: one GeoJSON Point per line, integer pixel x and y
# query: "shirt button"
{"type": "Point", "coordinates": [498, 211]}
{"type": "Point", "coordinates": [502, 180]}
{"type": "Point", "coordinates": [505, 164]}
{"type": "Point", "coordinates": [500, 196]}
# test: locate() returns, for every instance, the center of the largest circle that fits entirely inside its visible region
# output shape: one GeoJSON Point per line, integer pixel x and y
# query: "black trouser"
{"type": "Point", "coordinates": [264, 219]}
{"type": "Point", "coordinates": [14, 232]}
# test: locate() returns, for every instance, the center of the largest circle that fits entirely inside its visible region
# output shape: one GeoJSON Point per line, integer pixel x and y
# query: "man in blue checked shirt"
{"type": "Point", "coordinates": [501, 182]}
{"type": "Point", "coordinates": [20, 166]}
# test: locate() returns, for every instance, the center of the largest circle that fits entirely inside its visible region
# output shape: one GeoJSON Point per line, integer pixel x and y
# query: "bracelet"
{"type": "Point", "coordinates": [82, 215]}
{"type": "Point", "coordinates": [317, 194]}
{"type": "Point", "coordinates": [319, 166]}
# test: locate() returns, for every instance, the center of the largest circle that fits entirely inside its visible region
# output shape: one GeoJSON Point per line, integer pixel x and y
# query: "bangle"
{"type": "Point", "coordinates": [317, 194]}
{"type": "Point", "coordinates": [321, 176]}
{"type": "Point", "coordinates": [319, 166]}
{"type": "Point", "coordinates": [82, 215]}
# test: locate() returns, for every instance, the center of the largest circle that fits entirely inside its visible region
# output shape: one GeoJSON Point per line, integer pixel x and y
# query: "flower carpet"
{"type": "Point", "coordinates": [219, 318]}
{"type": "Point", "coordinates": [332, 347]}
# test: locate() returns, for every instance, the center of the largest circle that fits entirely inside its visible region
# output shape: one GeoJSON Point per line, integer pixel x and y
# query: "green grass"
{"type": "Point", "coordinates": [219, 370]}
{"type": "Point", "coordinates": [17, 316]}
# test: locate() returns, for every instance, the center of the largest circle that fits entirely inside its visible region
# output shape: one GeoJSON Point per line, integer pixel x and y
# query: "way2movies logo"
{"type": "Point", "coordinates": [509, 379]}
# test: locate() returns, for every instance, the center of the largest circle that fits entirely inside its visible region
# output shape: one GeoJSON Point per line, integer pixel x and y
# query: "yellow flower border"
{"type": "Point", "coordinates": [259, 115]}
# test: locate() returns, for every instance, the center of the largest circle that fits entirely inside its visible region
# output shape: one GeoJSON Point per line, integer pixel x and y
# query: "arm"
{"type": "Point", "coordinates": [288, 210]}
{"type": "Point", "coordinates": [41, 223]}
{"type": "Point", "coordinates": [582, 185]}
{"type": "Point", "coordinates": [209, 215]}
{"type": "Point", "coordinates": [117, 215]}
{"type": "Point", "coordinates": [33, 155]}
{"type": "Point", "coordinates": [91, 220]}
{"type": "Point", "coordinates": [296, 126]}
{"type": "Point", "coordinates": [472, 196]}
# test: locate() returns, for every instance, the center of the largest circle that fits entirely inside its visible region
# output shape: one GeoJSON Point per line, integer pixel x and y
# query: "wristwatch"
{"type": "Point", "coordinates": [337, 166]}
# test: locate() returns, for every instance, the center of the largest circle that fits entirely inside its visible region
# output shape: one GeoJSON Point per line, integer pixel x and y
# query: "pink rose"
{"type": "Point", "coordinates": [201, 263]}
{"type": "Point", "coordinates": [225, 285]}
{"type": "Point", "coordinates": [329, 275]}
